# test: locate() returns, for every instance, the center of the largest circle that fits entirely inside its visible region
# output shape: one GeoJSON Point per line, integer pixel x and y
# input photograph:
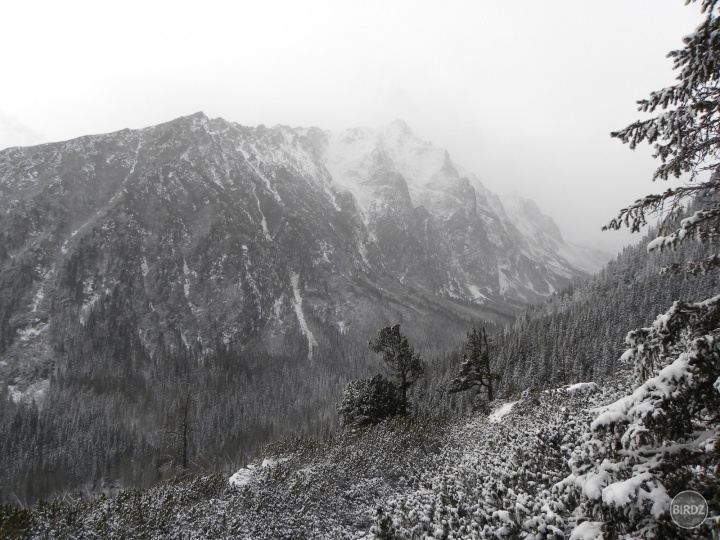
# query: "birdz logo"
{"type": "Point", "coordinates": [688, 509]}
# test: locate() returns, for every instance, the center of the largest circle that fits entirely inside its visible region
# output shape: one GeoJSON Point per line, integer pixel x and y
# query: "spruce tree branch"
{"type": "Point", "coordinates": [693, 268]}
{"type": "Point", "coordinates": [703, 225]}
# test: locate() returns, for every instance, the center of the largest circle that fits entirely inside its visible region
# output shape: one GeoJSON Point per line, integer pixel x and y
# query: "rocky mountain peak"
{"type": "Point", "coordinates": [447, 166]}
{"type": "Point", "coordinates": [527, 214]}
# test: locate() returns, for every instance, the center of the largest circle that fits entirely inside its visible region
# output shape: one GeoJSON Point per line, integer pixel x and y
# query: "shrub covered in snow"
{"type": "Point", "coordinates": [368, 401]}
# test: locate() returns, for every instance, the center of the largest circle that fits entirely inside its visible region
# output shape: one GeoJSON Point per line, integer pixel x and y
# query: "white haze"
{"type": "Point", "coordinates": [523, 93]}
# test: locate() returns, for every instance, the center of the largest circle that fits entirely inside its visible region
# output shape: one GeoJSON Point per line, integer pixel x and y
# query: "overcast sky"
{"type": "Point", "coordinates": [524, 93]}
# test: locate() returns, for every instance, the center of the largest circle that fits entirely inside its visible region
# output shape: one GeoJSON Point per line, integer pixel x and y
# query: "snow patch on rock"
{"type": "Point", "coordinates": [39, 296]}
{"type": "Point", "coordinates": [476, 294]}
{"type": "Point", "coordinates": [244, 476]}
{"type": "Point", "coordinates": [26, 334]}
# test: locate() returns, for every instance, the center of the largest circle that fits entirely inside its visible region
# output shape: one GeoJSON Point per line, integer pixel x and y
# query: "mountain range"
{"type": "Point", "coordinates": [212, 230]}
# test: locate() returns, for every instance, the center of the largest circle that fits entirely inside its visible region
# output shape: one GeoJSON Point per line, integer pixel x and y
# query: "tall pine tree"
{"type": "Point", "coordinates": [405, 366]}
{"type": "Point", "coordinates": [664, 438]}
{"type": "Point", "coordinates": [475, 369]}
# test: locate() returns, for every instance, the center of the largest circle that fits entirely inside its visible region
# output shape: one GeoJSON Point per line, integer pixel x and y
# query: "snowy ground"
{"type": "Point", "coordinates": [498, 413]}
{"type": "Point", "coordinates": [484, 476]}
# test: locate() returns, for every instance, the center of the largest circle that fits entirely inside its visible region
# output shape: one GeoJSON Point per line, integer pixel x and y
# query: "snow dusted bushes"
{"type": "Point", "coordinates": [308, 488]}
{"type": "Point", "coordinates": [503, 475]}
{"type": "Point", "coordinates": [368, 401]}
{"type": "Point", "coordinates": [495, 477]}
{"type": "Point", "coordinates": [166, 511]}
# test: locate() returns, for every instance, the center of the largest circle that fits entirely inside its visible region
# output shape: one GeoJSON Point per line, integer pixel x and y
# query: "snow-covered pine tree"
{"type": "Point", "coordinates": [685, 134]}
{"type": "Point", "coordinates": [664, 437]}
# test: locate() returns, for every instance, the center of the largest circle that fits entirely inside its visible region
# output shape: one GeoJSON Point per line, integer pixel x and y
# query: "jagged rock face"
{"type": "Point", "coordinates": [459, 241]}
{"type": "Point", "coordinates": [213, 231]}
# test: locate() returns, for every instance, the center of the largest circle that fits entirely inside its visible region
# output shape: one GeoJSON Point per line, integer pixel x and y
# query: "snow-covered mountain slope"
{"type": "Point", "coordinates": [210, 231]}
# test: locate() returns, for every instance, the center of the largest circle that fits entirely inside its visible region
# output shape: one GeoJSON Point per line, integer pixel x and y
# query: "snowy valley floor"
{"type": "Point", "coordinates": [482, 476]}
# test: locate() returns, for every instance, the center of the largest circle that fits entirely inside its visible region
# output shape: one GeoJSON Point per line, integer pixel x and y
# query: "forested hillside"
{"type": "Point", "coordinates": [105, 418]}
{"type": "Point", "coordinates": [579, 333]}
{"type": "Point", "coordinates": [240, 400]}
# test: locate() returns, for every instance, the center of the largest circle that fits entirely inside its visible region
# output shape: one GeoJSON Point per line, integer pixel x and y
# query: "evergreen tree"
{"type": "Point", "coordinates": [404, 364]}
{"type": "Point", "coordinates": [686, 139]}
{"type": "Point", "coordinates": [664, 437]}
{"type": "Point", "coordinates": [475, 369]}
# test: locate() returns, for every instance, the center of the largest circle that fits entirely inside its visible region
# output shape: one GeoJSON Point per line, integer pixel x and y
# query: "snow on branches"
{"type": "Point", "coordinates": [685, 137]}
{"type": "Point", "coordinates": [661, 439]}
